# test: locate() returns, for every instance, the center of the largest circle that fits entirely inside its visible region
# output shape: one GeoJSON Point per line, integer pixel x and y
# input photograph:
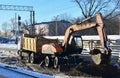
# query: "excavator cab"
{"type": "Point", "coordinates": [75, 44]}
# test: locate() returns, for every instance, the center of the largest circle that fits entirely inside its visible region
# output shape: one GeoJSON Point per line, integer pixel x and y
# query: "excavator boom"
{"type": "Point", "coordinates": [99, 25]}
{"type": "Point", "coordinates": [75, 28]}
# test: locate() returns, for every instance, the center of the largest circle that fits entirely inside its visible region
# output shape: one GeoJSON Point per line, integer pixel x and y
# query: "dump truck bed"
{"type": "Point", "coordinates": [34, 44]}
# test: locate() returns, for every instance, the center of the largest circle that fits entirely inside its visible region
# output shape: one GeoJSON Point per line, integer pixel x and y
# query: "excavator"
{"type": "Point", "coordinates": [72, 45]}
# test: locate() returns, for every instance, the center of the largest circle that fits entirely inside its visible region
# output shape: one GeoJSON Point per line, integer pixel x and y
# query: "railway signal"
{"type": "Point", "coordinates": [19, 21]}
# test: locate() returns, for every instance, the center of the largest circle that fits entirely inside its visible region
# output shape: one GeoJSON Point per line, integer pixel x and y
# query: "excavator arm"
{"type": "Point", "coordinates": [100, 28]}
{"type": "Point", "coordinates": [102, 34]}
{"type": "Point", "coordinates": [99, 25]}
{"type": "Point", "coordinates": [75, 28]}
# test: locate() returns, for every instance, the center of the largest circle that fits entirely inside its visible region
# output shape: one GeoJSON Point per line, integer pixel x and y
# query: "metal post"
{"type": "Point", "coordinates": [56, 25]}
{"type": "Point", "coordinates": [33, 22]}
{"type": "Point", "coordinates": [14, 30]}
{"type": "Point", "coordinates": [31, 30]}
{"type": "Point", "coordinates": [119, 24]}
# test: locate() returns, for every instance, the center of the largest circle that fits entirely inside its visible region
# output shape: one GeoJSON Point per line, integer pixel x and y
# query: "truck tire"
{"type": "Point", "coordinates": [18, 52]}
{"type": "Point", "coordinates": [21, 55]}
{"type": "Point", "coordinates": [56, 62]}
{"type": "Point", "coordinates": [27, 58]}
{"type": "Point", "coordinates": [31, 58]}
{"type": "Point", "coordinates": [47, 61]}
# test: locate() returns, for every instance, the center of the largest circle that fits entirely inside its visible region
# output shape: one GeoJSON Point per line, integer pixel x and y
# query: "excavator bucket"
{"type": "Point", "coordinates": [100, 58]}
{"type": "Point", "coordinates": [96, 56]}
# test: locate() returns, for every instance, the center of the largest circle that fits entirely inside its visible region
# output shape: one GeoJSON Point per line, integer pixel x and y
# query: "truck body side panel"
{"type": "Point", "coordinates": [35, 44]}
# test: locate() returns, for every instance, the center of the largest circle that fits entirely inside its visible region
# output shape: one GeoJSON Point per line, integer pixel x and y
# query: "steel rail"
{"type": "Point", "coordinates": [21, 72]}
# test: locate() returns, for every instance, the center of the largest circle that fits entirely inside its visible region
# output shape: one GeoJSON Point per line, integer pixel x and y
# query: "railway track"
{"type": "Point", "coordinates": [8, 71]}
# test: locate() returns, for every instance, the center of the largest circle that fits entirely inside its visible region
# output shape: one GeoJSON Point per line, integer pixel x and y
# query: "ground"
{"type": "Point", "coordinates": [84, 69]}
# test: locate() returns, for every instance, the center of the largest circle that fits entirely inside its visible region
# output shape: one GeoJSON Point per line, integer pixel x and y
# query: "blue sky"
{"type": "Point", "coordinates": [45, 10]}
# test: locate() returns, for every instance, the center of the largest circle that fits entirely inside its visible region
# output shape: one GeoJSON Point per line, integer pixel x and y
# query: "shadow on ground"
{"type": "Point", "coordinates": [90, 70]}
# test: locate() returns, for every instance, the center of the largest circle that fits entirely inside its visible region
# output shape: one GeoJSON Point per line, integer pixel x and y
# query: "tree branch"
{"type": "Point", "coordinates": [113, 9]}
{"type": "Point", "coordinates": [78, 2]}
{"type": "Point", "coordinates": [91, 7]}
{"type": "Point", "coordinates": [86, 11]}
{"type": "Point", "coordinates": [98, 3]}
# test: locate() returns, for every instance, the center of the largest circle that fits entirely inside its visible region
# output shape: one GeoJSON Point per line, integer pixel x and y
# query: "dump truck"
{"type": "Point", "coordinates": [32, 46]}
{"type": "Point", "coordinates": [54, 53]}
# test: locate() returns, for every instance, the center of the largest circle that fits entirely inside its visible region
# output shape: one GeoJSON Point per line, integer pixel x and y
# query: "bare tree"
{"type": "Point", "coordinates": [63, 16]}
{"type": "Point", "coordinates": [26, 23]}
{"type": "Point", "coordinates": [41, 29]}
{"type": "Point", "coordinates": [60, 22]}
{"type": "Point", "coordinates": [5, 28]}
{"type": "Point", "coordinates": [91, 7]}
{"type": "Point", "coordinates": [13, 25]}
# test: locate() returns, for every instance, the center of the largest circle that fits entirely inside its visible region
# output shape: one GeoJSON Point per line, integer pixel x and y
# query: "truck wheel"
{"type": "Point", "coordinates": [56, 62]}
{"type": "Point", "coordinates": [47, 61]}
{"type": "Point", "coordinates": [18, 52]}
{"type": "Point", "coordinates": [21, 55]}
{"type": "Point", "coordinates": [31, 58]}
{"type": "Point", "coordinates": [27, 58]}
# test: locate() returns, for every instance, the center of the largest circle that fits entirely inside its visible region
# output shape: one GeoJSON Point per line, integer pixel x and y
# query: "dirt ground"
{"type": "Point", "coordinates": [83, 69]}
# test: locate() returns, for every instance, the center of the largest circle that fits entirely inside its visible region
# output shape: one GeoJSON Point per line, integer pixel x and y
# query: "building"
{"type": "Point", "coordinates": [51, 28]}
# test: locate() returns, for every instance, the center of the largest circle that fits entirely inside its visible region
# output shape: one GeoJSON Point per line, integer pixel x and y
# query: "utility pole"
{"type": "Point", "coordinates": [32, 20]}
{"type": "Point", "coordinates": [56, 25]}
{"type": "Point", "coordinates": [14, 30]}
{"type": "Point", "coordinates": [119, 24]}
